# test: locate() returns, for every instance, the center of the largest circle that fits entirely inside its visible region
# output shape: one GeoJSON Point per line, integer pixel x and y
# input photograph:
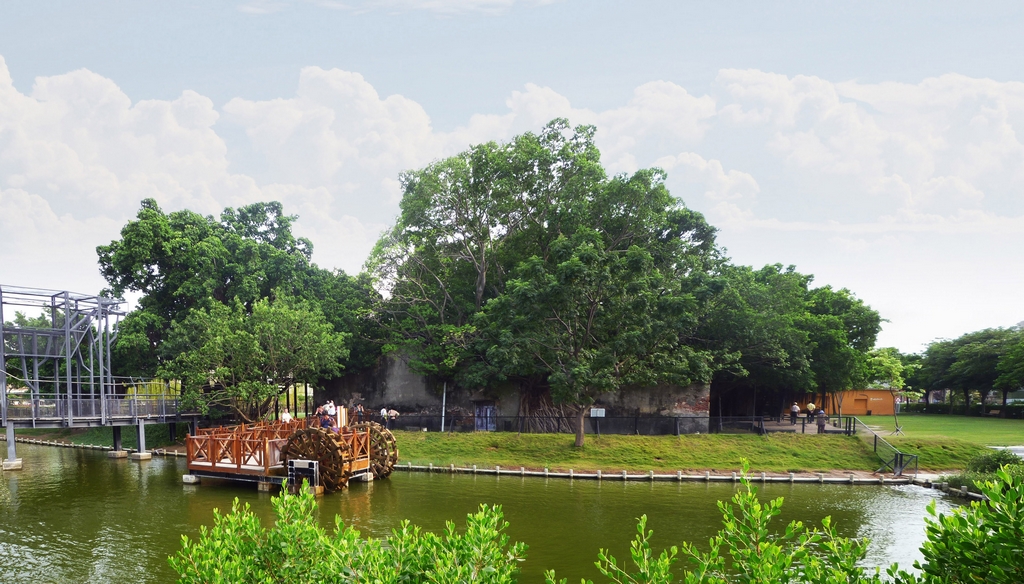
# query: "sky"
{"type": "Point", "coordinates": [872, 144]}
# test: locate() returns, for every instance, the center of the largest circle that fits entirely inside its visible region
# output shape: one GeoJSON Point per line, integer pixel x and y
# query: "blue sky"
{"type": "Point", "coordinates": [873, 144]}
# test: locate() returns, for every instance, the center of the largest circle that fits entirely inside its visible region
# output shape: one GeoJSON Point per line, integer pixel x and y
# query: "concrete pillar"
{"type": "Point", "coordinates": [118, 451]}
{"type": "Point", "coordinates": [140, 431]}
{"type": "Point", "coordinates": [11, 454]}
{"type": "Point", "coordinates": [12, 462]}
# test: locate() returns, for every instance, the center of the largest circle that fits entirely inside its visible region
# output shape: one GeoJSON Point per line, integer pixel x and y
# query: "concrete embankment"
{"type": "Point", "coordinates": [679, 476]}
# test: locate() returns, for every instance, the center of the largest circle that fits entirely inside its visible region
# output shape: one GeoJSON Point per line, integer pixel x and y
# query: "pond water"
{"type": "Point", "coordinates": [76, 516]}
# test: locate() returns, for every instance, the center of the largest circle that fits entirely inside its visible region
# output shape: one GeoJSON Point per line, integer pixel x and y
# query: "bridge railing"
{"type": "Point", "coordinates": [128, 406]}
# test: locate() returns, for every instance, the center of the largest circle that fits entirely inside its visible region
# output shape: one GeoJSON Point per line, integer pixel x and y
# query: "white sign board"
{"type": "Point", "coordinates": [596, 412]}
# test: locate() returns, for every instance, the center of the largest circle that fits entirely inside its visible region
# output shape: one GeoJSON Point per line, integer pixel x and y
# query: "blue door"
{"type": "Point", "coordinates": [486, 418]}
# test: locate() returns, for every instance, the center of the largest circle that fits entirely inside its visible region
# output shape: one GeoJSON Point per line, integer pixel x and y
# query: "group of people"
{"type": "Point", "coordinates": [333, 417]}
{"type": "Point", "coordinates": [814, 413]}
{"type": "Point", "coordinates": [388, 417]}
{"type": "Point", "coordinates": [328, 416]}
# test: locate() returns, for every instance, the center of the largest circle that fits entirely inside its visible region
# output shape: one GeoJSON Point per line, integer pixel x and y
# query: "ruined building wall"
{"type": "Point", "coordinates": [393, 384]}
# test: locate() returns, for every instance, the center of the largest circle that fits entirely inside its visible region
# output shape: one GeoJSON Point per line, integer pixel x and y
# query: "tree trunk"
{"type": "Point", "coordinates": [967, 402]}
{"type": "Point", "coordinates": [580, 418]}
{"type": "Point", "coordinates": [984, 396]}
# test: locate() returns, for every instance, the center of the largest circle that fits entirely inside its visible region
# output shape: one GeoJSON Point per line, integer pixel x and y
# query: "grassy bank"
{"type": "Point", "coordinates": [938, 453]}
{"type": "Point", "coordinates": [157, 435]}
{"type": "Point", "coordinates": [611, 453]}
{"type": "Point", "coordinates": [978, 430]}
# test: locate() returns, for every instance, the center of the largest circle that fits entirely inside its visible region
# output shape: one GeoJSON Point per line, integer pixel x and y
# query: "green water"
{"type": "Point", "coordinates": [76, 516]}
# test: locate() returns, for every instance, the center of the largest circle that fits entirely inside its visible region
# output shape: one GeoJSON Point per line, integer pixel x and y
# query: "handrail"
{"type": "Point", "coordinates": [128, 406]}
{"type": "Point", "coordinates": [892, 458]}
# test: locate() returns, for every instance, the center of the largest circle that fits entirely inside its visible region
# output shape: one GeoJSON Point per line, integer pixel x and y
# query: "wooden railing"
{"type": "Point", "coordinates": [360, 441]}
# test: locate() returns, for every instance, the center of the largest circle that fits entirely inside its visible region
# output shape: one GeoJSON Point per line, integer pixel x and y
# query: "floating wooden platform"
{"type": "Point", "coordinates": [256, 452]}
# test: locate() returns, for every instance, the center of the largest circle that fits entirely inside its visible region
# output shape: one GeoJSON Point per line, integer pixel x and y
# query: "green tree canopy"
{"type": "Point", "coordinates": [466, 222]}
{"type": "Point", "coordinates": [979, 361]}
{"type": "Point", "coordinates": [773, 335]}
{"type": "Point", "coordinates": [182, 261]}
{"type": "Point", "coordinates": [242, 359]}
{"type": "Point", "coordinates": [1011, 367]}
{"type": "Point", "coordinates": [482, 232]}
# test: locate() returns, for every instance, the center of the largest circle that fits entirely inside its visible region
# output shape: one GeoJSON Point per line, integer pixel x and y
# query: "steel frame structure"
{"type": "Point", "coordinates": [80, 336]}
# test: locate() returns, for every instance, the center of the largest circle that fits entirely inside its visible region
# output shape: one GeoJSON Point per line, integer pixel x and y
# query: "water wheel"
{"type": "Point", "coordinates": [383, 449]}
{"type": "Point", "coordinates": [334, 456]}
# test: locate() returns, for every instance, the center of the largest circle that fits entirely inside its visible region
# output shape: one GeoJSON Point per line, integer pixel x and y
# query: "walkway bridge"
{"type": "Point", "coordinates": [56, 348]}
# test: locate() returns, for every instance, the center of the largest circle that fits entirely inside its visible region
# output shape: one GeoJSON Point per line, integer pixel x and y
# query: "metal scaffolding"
{"type": "Point", "coordinates": [59, 354]}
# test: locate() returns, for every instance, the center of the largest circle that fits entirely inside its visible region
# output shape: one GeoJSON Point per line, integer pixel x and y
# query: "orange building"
{"type": "Point", "coordinates": [861, 402]}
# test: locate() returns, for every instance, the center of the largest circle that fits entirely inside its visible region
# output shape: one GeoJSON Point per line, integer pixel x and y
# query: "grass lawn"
{"type": "Point", "coordinates": [982, 431]}
{"type": "Point", "coordinates": [613, 453]}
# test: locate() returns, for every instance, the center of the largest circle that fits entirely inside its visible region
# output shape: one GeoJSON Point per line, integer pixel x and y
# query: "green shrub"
{"type": "Point", "coordinates": [980, 542]}
{"type": "Point", "coordinates": [296, 549]}
{"type": "Point", "coordinates": [747, 550]}
{"type": "Point", "coordinates": [973, 480]}
{"type": "Point", "coordinates": [983, 467]}
{"type": "Point", "coordinates": [977, 543]}
{"type": "Point", "coordinates": [990, 462]}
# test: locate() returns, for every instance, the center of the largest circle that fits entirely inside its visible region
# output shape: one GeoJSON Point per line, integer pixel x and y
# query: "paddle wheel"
{"type": "Point", "coordinates": [383, 449]}
{"type": "Point", "coordinates": [334, 455]}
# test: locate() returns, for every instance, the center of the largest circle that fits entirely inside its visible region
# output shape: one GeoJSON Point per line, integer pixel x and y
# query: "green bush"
{"type": "Point", "coordinates": [972, 480]}
{"type": "Point", "coordinates": [992, 461]}
{"type": "Point", "coordinates": [980, 542]}
{"type": "Point", "coordinates": [983, 467]}
{"type": "Point", "coordinates": [977, 543]}
{"type": "Point", "coordinates": [239, 550]}
{"type": "Point", "coordinates": [747, 550]}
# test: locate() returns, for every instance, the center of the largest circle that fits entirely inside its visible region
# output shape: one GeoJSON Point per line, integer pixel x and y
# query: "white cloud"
{"type": "Point", "coordinates": [43, 249]}
{"type": "Point", "coordinates": [843, 170]}
{"type": "Point", "coordinates": [710, 175]}
{"type": "Point", "coordinates": [77, 157]}
{"type": "Point", "coordinates": [943, 146]}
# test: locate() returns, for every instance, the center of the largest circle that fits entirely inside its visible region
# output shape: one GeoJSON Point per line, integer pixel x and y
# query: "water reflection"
{"type": "Point", "coordinates": [75, 515]}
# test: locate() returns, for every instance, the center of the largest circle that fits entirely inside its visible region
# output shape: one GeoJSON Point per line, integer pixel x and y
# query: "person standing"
{"type": "Point", "coordinates": [794, 410]}
{"type": "Point", "coordinates": [821, 417]}
{"type": "Point", "coordinates": [810, 411]}
{"type": "Point", "coordinates": [285, 416]}
{"type": "Point", "coordinates": [359, 413]}
{"type": "Point", "coordinates": [384, 416]}
{"type": "Point", "coordinates": [392, 418]}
